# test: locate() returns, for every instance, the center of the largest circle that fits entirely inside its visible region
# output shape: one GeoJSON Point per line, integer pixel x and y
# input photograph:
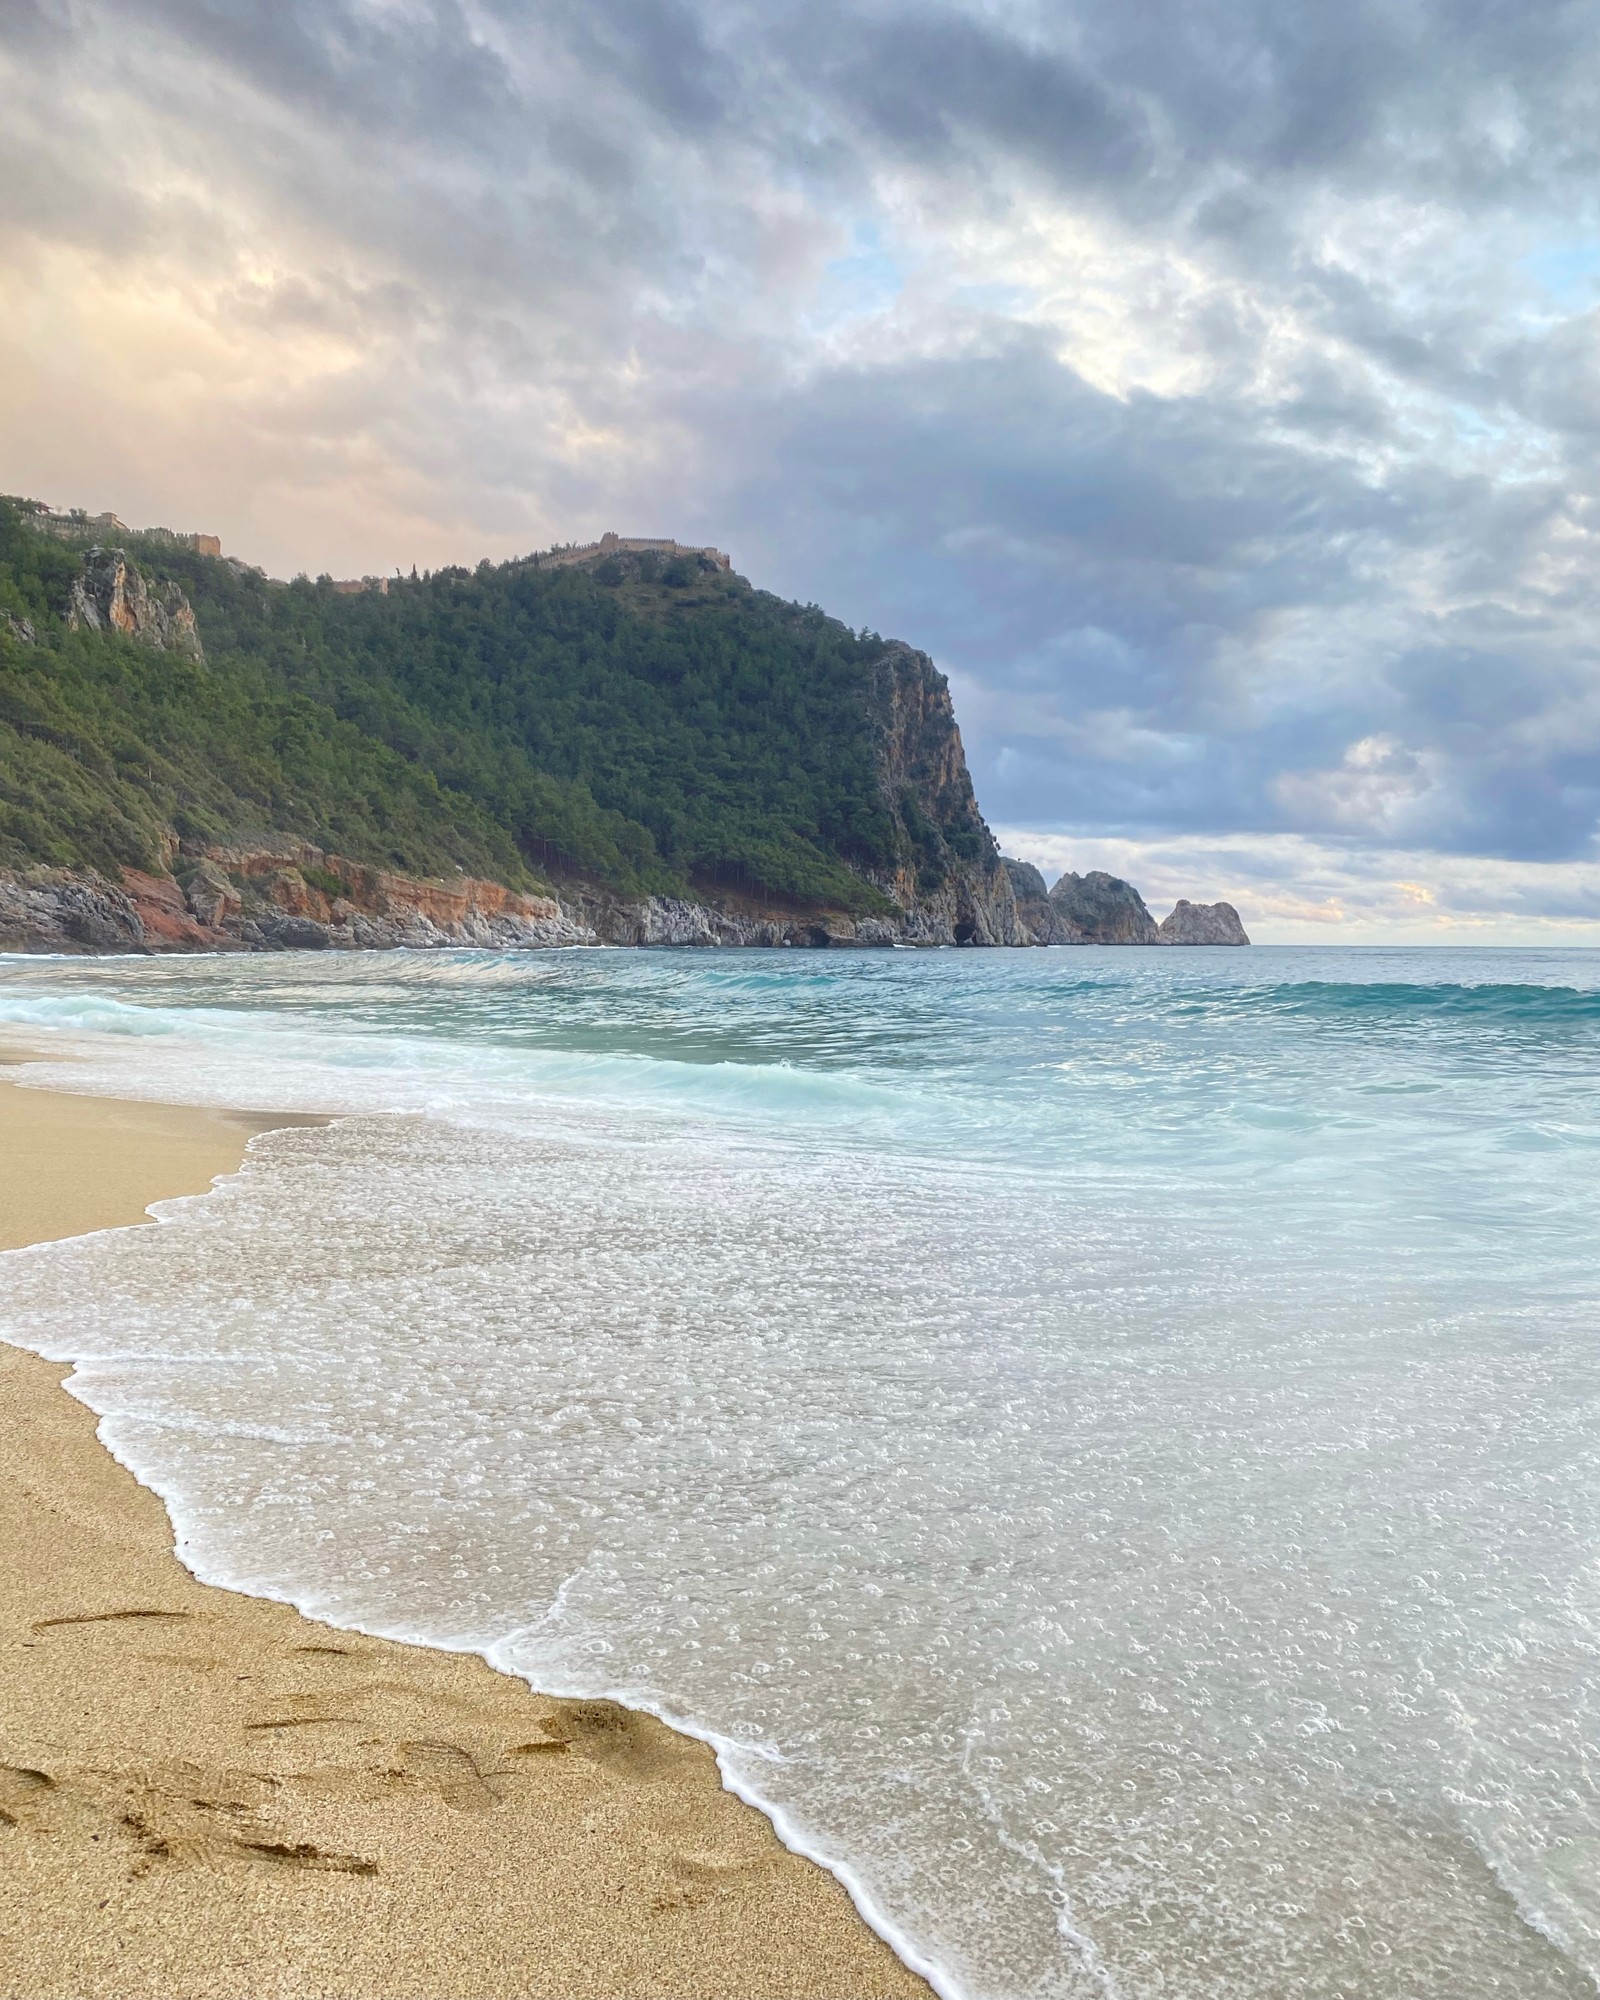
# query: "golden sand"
{"type": "Point", "coordinates": [203, 1793]}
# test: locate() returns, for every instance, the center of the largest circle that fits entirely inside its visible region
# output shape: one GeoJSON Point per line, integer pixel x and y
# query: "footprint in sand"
{"type": "Point", "coordinates": [451, 1772]}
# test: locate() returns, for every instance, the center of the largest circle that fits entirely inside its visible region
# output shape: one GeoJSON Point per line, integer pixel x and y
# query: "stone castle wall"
{"type": "Point", "coordinates": [77, 526]}
{"type": "Point", "coordinates": [611, 544]}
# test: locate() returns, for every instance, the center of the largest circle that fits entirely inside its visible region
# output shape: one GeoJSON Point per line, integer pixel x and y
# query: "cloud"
{"type": "Point", "coordinates": [1211, 387]}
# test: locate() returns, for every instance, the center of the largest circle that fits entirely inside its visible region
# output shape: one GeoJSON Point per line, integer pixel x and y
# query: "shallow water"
{"type": "Point", "coordinates": [1106, 1443]}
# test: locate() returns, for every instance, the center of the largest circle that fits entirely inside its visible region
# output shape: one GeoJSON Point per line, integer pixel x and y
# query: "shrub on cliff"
{"type": "Point", "coordinates": [109, 747]}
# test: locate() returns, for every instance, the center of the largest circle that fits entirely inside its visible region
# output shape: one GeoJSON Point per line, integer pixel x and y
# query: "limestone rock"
{"type": "Point", "coordinates": [876, 932]}
{"type": "Point", "coordinates": [112, 596]}
{"type": "Point", "coordinates": [18, 628]}
{"type": "Point", "coordinates": [279, 909]}
{"type": "Point", "coordinates": [162, 909]}
{"type": "Point", "coordinates": [948, 878]}
{"type": "Point", "coordinates": [294, 934]}
{"type": "Point", "coordinates": [1027, 884]}
{"type": "Point", "coordinates": [1103, 908]}
{"type": "Point", "coordinates": [597, 916]}
{"type": "Point", "coordinates": [667, 920]}
{"type": "Point", "coordinates": [1038, 916]}
{"type": "Point", "coordinates": [1202, 923]}
{"type": "Point", "coordinates": [100, 918]}
{"type": "Point", "coordinates": [50, 910]}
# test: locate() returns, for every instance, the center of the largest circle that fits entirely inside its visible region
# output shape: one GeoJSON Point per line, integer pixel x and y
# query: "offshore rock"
{"type": "Point", "coordinates": [1104, 908]}
{"type": "Point", "coordinates": [1044, 923]}
{"type": "Point", "coordinates": [1202, 923]}
{"type": "Point", "coordinates": [112, 596]}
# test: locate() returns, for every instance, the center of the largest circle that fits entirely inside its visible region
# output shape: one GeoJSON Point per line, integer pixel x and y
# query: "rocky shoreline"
{"type": "Point", "coordinates": [295, 897]}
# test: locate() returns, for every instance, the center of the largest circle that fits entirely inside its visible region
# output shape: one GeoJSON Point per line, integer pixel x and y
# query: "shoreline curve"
{"type": "Point", "coordinates": [206, 1780]}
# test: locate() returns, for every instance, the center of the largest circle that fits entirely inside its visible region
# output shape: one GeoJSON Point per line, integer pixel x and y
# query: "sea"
{"type": "Point", "coordinates": [1105, 1444]}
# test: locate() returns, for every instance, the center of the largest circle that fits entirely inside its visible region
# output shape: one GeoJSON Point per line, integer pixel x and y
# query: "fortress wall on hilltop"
{"type": "Point", "coordinates": [631, 545]}
{"type": "Point", "coordinates": [75, 525]}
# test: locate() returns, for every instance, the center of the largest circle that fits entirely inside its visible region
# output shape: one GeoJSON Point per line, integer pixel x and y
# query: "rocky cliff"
{"type": "Point", "coordinates": [113, 596]}
{"type": "Point", "coordinates": [291, 896]}
{"type": "Point", "coordinates": [946, 885]}
{"type": "Point", "coordinates": [949, 883]}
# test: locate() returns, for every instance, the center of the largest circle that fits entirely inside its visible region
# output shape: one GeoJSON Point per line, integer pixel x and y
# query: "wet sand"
{"type": "Point", "coordinates": [205, 1794]}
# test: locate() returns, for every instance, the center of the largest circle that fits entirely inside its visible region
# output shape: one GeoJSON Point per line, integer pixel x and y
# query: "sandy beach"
{"type": "Point", "coordinates": [205, 1794]}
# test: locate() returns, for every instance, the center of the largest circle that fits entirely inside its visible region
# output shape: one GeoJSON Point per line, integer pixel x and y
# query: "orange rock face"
{"type": "Point", "coordinates": [292, 894]}
{"type": "Point", "coordinates": [448, 904]}
{"type": "Point", "coordinates": [276, 875]}
{"type": "Point", "coordinates": [164, 914]}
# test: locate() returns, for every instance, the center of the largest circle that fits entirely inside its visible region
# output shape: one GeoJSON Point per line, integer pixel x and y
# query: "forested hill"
{"type": "Point", "coordinates": [635, 726]}
{"type": "Point", "coordinates": [655, 725]}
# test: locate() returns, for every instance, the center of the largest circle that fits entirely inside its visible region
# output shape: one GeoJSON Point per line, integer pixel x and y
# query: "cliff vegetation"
{"type": "Point", "coordinates": [113, 749]}
{"type": "Point", "coordinates": [656, 727]}
{"type": "Point", "coordinates": [624, 743]}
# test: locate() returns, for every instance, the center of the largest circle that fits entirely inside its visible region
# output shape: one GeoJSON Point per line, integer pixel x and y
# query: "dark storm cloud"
{"type": "Point", "coordinates": [1455, 99]}
{"type": "Point", "coordinates": [947, 88]}
{"type": "Point", "coordinates": [1210, 384]}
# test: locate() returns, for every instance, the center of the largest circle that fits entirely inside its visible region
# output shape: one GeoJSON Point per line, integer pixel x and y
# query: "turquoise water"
{"type": "Point", "coordinates": [1107, 1444]}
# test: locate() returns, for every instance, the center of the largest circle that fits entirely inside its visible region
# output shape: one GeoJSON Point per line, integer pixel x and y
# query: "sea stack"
{"type": "Point", "coordinates": [1202, 923]}
{"type": "Point", "coordinates": [1103, 909]}
{"type": "Point", "coordinates": [1040, 918]}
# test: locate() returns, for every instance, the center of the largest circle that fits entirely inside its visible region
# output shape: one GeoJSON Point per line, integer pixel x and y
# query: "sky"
{"type": "Point", "coordinates": [1212, 387]}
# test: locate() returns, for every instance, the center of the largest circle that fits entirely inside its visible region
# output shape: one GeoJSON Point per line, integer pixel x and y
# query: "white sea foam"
{"type": "Point", "coordinates": [1103, 1444]}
